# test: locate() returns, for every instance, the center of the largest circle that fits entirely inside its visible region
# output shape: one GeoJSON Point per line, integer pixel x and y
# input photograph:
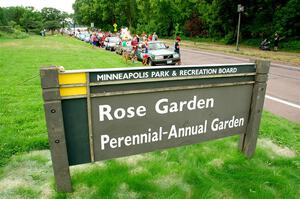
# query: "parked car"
{"type": "Point", "coordinates": [81, 36]}
{"type": "Point", "coordinates": [111, 43]}
{"type": "Point", "coordinates": [84, 37]}
{"type": "Point", "coordinates": [159, 54]}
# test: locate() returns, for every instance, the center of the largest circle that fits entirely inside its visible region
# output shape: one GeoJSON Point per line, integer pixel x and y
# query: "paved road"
{"type": "Point", "coordinates": [283, 91]}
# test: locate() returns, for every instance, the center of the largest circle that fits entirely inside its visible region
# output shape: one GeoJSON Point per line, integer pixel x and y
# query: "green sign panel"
{"type": "Point", "coordinates": [132, 124]}
{"type": "Point", "coordinates": [95, 115]}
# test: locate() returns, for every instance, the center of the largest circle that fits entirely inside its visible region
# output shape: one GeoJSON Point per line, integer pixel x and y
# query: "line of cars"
{"type": "Point", "coordinates": [158, 52]}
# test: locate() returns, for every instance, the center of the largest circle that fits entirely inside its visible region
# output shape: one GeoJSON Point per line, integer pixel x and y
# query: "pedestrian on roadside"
{"type": "Point", "coordinates": [145, 55]}
{"type": "Point", "coordinates": [103, 40]}
{"type": "Point", "coordinates": [146, 45]}
{"type": "Point", "coordinates": [134, 41]}
{"type": "Point", "coordinates": [154, 37]}
{"type": "Point", "coordinates": [150, 38]}
{"type": "Point", "coordinates": [178, 37]}
{"type": "Point", "coordinates": [177, 48]}
{"type": "Point", "coordinates": [43, 33]}
{"type": "Point", "coordinates": [144, 36]}
{"type": "Point", "coordinates": [134, 54]}
{"type": "Point", "coordinates": [124, 42]}
{"type": "Point", "coordinates": [94, 39]}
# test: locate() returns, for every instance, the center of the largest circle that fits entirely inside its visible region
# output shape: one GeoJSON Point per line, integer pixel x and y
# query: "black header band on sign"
{"type": "Point", "coordinates": [170, 84]}
{"type": "Point", "coordinates": [174, 73]}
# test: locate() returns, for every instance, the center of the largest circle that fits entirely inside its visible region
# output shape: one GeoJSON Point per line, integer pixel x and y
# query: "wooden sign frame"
{"type": "Point", "coordinates": [70, 98]}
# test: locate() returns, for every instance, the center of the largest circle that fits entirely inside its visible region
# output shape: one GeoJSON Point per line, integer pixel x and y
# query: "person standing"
{"type": "Point", "coordinates": [145, 55]}
{"type": "Point", "coordinates": [146, 45]}
{"type": "Point", "coordinates": [43, 33]}
{"type": "Point", "coordinates": [144, 36]}
{"type": "Point", "coordinates": [150, 38]}
{"type": "Point", "coordinates": [177, 48]}
{"type": "Point", "coordinates": [94, 39]}
{"type": "Point", "coordinates": [276, 42]}
{"type": "Point", "coordinates": [134, 41]}
{"type": "Point", "coordinates": [154, 37]}
{"type": "Point", "coordinates": [134, 54]}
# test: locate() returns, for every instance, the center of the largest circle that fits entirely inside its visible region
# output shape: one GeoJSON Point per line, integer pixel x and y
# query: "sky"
{"type": "Point", "coordinates": [62, 5]}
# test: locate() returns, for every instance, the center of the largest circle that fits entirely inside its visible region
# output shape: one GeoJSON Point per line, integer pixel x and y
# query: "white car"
{"type": "Point", "coordinates": [111, 43]}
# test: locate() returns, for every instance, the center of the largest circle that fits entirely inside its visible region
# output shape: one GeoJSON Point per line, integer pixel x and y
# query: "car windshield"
{"type": "Point", "coordinates": [114, 39]}
{"type": "Point", "coordinates": [156, 46]}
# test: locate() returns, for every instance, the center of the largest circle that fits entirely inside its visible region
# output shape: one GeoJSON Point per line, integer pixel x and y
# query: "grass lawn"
{"type": "Point", "coordinates": [209, 170]}
{"type": "Point", "coordinates": [22, 115]}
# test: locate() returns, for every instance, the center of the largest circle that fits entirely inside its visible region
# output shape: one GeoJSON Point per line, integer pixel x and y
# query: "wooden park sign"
{"type": "Point", "coordinates": [101, 114]}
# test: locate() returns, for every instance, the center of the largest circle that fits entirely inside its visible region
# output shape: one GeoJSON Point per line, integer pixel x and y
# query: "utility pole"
{"type": "Point", "coordinates": [240, 9]}
{"type": "Point", "coordinates": [74, 25]}
{"type": "Point", "coordinates": [90, 7]}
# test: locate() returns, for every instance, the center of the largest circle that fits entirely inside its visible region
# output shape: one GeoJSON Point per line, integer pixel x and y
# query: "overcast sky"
{"type": "Point", "coordinates": [62, 5]}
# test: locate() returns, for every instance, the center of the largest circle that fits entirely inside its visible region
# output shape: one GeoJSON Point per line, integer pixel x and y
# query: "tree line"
{"type": "Point", "coordinates": [192, 18]}
{"type": "Point", "coordinates": [29, 20]}
{"type": "Point", "coordinates": [203, 18]}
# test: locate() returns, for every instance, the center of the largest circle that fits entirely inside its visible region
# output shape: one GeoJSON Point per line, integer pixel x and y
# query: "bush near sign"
{"type": "Point", "coordinates": [101, 114]}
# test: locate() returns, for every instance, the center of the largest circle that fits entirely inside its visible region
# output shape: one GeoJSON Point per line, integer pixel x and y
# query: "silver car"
{"type": "Point", "coordinates": [158, 54]}
{"type": "Point", "coordinates": [111, 43]}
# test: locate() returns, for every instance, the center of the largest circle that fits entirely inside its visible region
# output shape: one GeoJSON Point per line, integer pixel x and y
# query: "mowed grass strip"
{"type": "Point", "coordinates": [22, 123]}
{"type": "Point", "coordinates": [208, 170]}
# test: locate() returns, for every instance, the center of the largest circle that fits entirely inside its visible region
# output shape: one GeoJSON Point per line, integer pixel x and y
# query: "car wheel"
{"type": "Point", "coordinates": [151, 63]}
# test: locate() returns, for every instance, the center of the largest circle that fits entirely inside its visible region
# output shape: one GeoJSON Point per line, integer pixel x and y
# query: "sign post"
{"type": "Point", "coordinates": [240, 9]}
{"type": "Point", "coordinates": [55, 126]}
{"type": "Point", "coordinates": [249, 139]}
{"type": "Point", "coordinates": [95, 115]}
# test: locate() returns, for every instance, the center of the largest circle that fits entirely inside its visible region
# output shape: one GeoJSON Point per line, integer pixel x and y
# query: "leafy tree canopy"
{"type": "Point", "coordinates": [205, 18]}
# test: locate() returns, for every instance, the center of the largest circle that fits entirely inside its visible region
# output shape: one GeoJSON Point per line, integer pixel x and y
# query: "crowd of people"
{"type": "Point", "coordinates": [97, 39]}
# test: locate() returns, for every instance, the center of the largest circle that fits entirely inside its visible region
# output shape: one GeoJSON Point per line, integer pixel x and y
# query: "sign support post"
{"type": "Point", "coordinates": [55, 126]}
{"type": "Point", "coordinates": [249, 139]}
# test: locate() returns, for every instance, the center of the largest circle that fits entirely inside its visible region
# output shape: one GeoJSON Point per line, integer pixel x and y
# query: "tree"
{"type": "Point", "coordinates": [31, 20]}
{"type": "Point", "coordinates": [52, 25]}
{"type": "Point", "coordinates": [53, 18]}
{"type": "Point", "coordinates": [3, 19]}
{"type": "Point", "coordinates": [213, 18]}
{"type": "Point", "coordinates": [287, 19]}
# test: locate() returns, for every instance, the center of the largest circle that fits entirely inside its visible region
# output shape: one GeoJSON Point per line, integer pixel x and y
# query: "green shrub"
{"type": "Point", "coordinates": [16, 34]}
{"type": "Point", "coordinates": [7, 29]}
{"type": "Point", "coordinates": [293, 45]}
{"type": "Point", "coordinates": [229, 38]}
{"type": "Point", "coordinates": [19, 35]}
